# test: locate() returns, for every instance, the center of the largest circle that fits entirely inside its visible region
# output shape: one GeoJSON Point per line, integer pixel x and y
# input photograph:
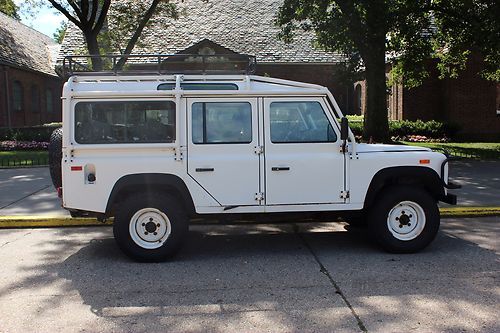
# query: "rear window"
{"type": "Point", "coordinates": [113, 122]}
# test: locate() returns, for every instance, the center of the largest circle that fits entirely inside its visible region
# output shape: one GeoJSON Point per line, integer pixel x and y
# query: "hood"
{"type": "Point", "coordinates": [373, 148]}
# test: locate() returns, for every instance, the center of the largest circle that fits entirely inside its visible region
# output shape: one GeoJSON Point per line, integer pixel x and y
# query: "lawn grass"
{"type": "Point", "coordinates": [23, 158]}
{"type": "Point", "coordinates": [481, 150]}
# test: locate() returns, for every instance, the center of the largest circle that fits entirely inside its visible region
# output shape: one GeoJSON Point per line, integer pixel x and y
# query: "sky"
{"type": "Point", "coordinates": [46, 20]}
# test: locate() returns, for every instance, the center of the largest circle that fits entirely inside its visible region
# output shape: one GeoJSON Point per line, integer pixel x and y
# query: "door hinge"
{"type": "Point", "coordinates": [179, 155]}
{"type": "Point", "coordinates": [344, 194]}
{"type": "Point", "coordinates": [259, 196]}
{"type": "Point", "coordinates": [259, 150]}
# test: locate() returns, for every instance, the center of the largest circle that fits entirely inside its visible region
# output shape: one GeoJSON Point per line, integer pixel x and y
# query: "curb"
{"type": "Point", "coordinates": [7, 222]}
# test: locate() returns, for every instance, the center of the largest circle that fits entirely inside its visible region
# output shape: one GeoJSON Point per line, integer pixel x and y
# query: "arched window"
{"type": "Point", "coordinates": [17, 96]}
{"type": "Point", "coordinates": [49, 102]}
{"type": "Point", "coordinates": [35, 99]}
{"type": "Point", "coordinates": [358, 101]}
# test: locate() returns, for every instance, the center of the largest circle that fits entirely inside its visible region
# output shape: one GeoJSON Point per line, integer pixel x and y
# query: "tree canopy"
{"type": "Point", "coordinates": [117, 33]}
{"type": "Point", "coordinates": [370, 32]}
{"type": "Point", "coordinates": [8, 7]}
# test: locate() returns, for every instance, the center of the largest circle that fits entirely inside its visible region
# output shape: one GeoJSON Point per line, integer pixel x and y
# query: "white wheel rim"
{"type": "Point", "coordinates": [406, 220]}
{"type": "Point", "coordinates": [149, 228]}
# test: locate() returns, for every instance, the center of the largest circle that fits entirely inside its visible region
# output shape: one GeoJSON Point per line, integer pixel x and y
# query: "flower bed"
{"type": "Point", "coordinates": [23, 145]}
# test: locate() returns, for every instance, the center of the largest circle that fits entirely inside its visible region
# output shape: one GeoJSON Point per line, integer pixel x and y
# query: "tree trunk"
{"type": "Point", "coordinates": [93, 48]}
{"type": "Point", "coordinates": [376, 124]}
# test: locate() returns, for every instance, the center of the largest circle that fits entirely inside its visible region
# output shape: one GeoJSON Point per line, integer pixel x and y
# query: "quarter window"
{"type": "Point", "coordinates": [300, 122]}
{"type": "Point", "coordinates": [125, 122]}
{"type": "Point", "coordinates": [215, 123]}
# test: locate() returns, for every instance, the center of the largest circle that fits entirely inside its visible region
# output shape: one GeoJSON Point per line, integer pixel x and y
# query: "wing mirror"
{"type": "Point", "coordinates": [344, 129]}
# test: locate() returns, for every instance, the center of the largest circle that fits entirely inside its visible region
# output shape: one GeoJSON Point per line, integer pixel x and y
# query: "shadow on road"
{"type": "Point", "coordinates": [267, 275]}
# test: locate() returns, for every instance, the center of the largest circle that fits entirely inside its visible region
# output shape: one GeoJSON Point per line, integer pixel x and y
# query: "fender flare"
{"type": "Point", "coordinates": [405, 175]}
{"type": "Point", "coordinates": [150, 182]}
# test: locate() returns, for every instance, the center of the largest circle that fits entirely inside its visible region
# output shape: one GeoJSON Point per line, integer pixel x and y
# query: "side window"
{"type": "Point", "coordinates": [125, 122]}
{"type": "Point", "coordinates": [300, 122]}
{"type": "Point", "coordinates": [215, 123]}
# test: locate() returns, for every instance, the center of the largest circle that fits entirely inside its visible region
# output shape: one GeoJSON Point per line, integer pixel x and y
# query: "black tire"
{"type": "Point", "coordinates": [151, 203]}
{"type": "Point", "coordinates": [55, 157]}
{"type": "Point", "coordinates": [392, 230]}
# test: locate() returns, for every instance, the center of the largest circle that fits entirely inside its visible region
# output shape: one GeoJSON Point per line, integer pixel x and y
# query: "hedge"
{"type": "Point", "coordinates": [403, 128]}
{"type": "Point", "coordinates": [35, 133]}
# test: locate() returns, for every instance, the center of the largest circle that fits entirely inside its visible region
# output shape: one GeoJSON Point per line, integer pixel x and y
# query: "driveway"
{"type": "Point", "coordinates": [252, 278]}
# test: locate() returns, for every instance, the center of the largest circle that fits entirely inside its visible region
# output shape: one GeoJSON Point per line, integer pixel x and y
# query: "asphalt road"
{"type": "Point", "coordinates": [277, 278]}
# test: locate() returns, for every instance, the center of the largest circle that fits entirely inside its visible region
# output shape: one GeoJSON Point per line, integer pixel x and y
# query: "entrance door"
{"type": "Point", "coordinates": [303, 162]}
{"type": "Point", "coordinates": [222, 136]}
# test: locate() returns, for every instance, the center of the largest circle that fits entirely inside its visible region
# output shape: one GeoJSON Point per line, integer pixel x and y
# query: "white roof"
{"type": "Point", "coordinates": [148, 85]}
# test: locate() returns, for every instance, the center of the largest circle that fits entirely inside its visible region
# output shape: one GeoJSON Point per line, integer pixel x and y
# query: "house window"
{"type": "Point", "coordinates": [125, 122]}
{"type": "Point", "coordinates": [49, 101]}
{"type": "Point", "coordinates": [17, 96]}
{"type": "Point", "coordinates": [216, 123]}
{"type": "Point", "coordinates": [35, 99]}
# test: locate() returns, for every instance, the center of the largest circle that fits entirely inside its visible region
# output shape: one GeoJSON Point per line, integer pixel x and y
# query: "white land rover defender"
{"type": "Point", "coordinates": [156, 150]}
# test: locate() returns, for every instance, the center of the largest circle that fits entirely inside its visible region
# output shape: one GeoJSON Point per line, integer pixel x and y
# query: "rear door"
{"type": "Point", "coordinates": [303, 161]}
{"type": "Point", "coordinates": [222, 136]}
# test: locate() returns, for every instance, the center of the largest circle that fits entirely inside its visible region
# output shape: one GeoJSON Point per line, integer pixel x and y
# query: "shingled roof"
{"type": "Point", "coordinates": [243, 26]}
{"type": "Point", "coordinates": [24, 47]}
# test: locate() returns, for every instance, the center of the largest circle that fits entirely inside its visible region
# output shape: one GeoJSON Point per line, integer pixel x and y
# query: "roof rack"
{"type": "Point", "coordinates": [159, 64]}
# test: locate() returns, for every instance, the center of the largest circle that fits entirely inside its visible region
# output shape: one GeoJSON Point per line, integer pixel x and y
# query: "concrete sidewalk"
{"type": "Point", "coordinates": [30, 192]}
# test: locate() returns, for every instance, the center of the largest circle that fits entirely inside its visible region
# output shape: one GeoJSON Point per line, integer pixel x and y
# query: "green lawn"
{"type": "Point", "coordinates": [23, 158]}
{"type": "Point", "coordinates": [483, 150]}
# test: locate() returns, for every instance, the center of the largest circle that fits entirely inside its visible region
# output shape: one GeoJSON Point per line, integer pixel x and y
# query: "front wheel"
{"type": "Point", "coordinates": [404, 219]}
{"type": "Point", "coordinates": [150, 227]}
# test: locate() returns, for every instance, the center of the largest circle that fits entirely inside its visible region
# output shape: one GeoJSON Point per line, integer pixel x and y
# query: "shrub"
{"type": "Point", "coordinates": [405, 128]}
{"type": "Point", "coordinates": [35, 133]}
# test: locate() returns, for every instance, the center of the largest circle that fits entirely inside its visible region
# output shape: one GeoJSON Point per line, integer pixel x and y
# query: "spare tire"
{"type": "Point", "coordinates": [55, 157]}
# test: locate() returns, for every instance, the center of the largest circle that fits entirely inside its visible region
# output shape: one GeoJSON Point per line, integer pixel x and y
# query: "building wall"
{"type": "Point", "coordinates": [29, 115]}
{"type": "Point", "coordinates": [320, 74]}
{"type": "Point", "coordinates": [471, 102]}
{"type": "Point", "coordinates": [468, 101]}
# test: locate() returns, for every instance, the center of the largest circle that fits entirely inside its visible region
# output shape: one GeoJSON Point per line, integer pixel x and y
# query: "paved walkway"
{"type": "Point", "coordinates": [30, 191]}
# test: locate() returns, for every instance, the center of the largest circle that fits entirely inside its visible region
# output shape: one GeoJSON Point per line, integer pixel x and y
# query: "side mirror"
{"type": "Point", "coordinates": [344, 129]}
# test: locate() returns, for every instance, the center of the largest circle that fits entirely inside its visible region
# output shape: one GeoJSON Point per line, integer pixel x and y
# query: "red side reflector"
{"type": "Point", "coordinates": [425, 161]}
{"type": "Point", "coordinates": [76, 168]}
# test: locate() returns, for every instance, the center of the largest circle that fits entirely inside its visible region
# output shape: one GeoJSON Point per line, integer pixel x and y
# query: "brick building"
{"type": "Point", "coordinates": [239, 26]}
{"type": "Point", "coordinates": [30, 89]}
{"type": "Point", "coordinates": [469, 101]}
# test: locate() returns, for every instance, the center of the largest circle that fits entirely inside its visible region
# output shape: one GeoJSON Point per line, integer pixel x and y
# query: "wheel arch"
{"type": "Point", "coordinates": [405, 175]}
{"type": "Point", "coordinates": [150, 183]}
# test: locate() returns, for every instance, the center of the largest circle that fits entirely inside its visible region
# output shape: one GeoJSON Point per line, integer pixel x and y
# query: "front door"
{"type": "Point", "coordinates": [303, 161]}
{"type": "Point", "coordinates": [222, 136]}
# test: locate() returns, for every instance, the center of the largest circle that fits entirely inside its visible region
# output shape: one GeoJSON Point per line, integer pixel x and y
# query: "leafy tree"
{"type": "Point", "coordinates": [60, 32]}
{"type": "Point", "coordinates": [409, 32]}
{"type": "Point", "coordinates": [124, 28]}
{"type": "Point", "coordinates": [8, 7]}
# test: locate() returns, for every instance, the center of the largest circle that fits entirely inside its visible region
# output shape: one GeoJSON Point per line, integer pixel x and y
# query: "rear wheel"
{"type": "Point", "coordinates": [404, 219]}
{"type": "Point", "coordinates": [151, 227]}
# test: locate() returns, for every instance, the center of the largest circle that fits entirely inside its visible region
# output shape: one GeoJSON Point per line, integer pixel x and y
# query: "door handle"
{"type": "Point", "coordinates": [280, 168]}
{"type": "Point", "coordinates": [204, 169]}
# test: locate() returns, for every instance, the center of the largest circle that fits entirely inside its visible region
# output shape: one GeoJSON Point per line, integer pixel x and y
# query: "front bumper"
{"type": "Point", "coordinates": [450, 199]}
